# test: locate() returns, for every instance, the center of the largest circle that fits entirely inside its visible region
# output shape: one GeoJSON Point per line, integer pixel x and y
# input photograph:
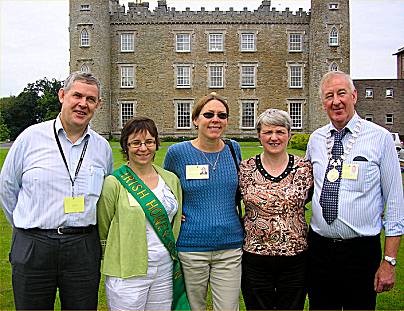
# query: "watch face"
{"type": "Point", "coordinates": [393, 262]}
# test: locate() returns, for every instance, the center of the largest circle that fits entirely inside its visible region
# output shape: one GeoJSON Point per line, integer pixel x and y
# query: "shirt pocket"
{"type": "Point", "coordinates": [368, 172]}
{"type": "Point", "coordinates": [95, 180]}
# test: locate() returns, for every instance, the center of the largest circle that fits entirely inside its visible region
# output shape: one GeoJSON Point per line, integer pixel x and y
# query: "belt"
{"type": "Point", "coordinates": [317, 237]}
{"type": "Point", "coordinates": [62, 230]}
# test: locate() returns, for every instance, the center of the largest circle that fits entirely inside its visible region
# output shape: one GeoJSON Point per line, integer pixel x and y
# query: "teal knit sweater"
{"type": "Point", "coordinates": [208, 204]}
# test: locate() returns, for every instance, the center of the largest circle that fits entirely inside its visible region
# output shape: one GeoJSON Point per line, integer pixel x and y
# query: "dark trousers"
{"type": "Point", "coordinates": [341, 272]}
{"type": "Point", "coordinates": [274, 282]}
{"type": "Point", "coordinates": [42, 262]}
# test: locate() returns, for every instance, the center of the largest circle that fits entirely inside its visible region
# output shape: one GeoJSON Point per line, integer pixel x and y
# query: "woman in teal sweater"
{"type": "Point", "coordinates": [139, 218]}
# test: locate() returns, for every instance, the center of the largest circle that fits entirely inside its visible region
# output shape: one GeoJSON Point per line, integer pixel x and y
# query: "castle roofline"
{"type": "Point", "coordinates": [400, 51]}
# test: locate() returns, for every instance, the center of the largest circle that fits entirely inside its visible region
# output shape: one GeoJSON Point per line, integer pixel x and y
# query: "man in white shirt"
{"type": "Point", "coordinates": [50, 183]}
{"type": "Point", "coordinates": [357, 193]}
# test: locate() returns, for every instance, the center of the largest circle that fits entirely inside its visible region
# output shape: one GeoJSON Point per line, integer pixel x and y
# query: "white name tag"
{"type": "Point", "coordinates": [197, 171]}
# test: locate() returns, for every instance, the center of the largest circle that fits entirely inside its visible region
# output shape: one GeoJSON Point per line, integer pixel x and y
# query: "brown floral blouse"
{"type": "Point", "coordinates": [274, 221]}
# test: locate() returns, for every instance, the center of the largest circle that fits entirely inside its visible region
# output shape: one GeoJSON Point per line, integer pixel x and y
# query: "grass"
{"type": "Point", "coordinates": [392, 300]}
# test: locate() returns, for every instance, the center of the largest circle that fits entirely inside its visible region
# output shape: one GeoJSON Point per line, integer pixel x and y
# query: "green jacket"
{"type": "Point", "coordinates": [122, 228]}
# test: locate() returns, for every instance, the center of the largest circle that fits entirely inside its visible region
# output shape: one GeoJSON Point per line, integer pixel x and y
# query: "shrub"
{"type": "Point", "coordinates": [299, 141]}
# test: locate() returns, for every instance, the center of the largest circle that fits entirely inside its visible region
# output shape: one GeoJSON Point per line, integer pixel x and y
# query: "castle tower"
{"type": "Point", "coordinates": [90, 50]}
{"type": "Point", "coordinates": [329, 50]}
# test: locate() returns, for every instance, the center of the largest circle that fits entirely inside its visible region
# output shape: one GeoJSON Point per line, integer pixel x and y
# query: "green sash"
{"type": "Point", "coordinates": [157, 216]}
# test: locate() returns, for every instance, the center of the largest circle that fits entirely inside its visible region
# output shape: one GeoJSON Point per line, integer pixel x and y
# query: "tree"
{"type": "Point", "coordinates": [36, 103]}
{"type": "Point", "coordinates": [4, 131]}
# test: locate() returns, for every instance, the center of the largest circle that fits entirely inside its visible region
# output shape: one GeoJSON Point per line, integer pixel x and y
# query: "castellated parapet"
{"type": "Point", "coordinates": [287, 53]}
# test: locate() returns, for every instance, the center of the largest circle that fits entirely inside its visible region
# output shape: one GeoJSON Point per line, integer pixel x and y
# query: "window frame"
{"type": "Point", "coordinates": [252, 122]}
{"type": "Point", "coordinates": [243, 47]}
{"type": "Point", "coordinates": [290, 77]}
{"type": "Point", "coordinates": [85, 7]}
{"type": "Point", "coordinates": [369, 117]}
{"type": "Point", "coordinates": [300, 44]}
{"type": "Point", "coordinates": [294, 117]}
{"type": "Point", "coordinates": [243, 75]}
{"type": "Point", "coordinates": [221, 44]}
{"type": "Point", "coordinates": [176, 74]}
{"type": "Point", "coordinates": [387, 117]}
{"type": "Point", "coordinates": [389, 92]}
{"type": "Point", "coordinates": [84, 38]}
{"type": "Point", "coordinates": [186, 45]}
{"type": "Point", "coordinates": [369, 92]}
{"type": "Point", "coordinates": [333, 37]}
{"type": "Point", "coordinates": [333, 6]}
{"type": "Point", "coordinates": [121, 105]}
{"type": "Point", "coordinates": [130, 43]}
{"type": "Point", "coordinates": [85, 68]}
{"type": "Point", "coordinates": [210, 67]}
{"type": "Point", "coordinates": [333, 66]}
{"type": "Point", "coordinates": [188, 102]}
{"type": "Point", "coordinates": [127, 66]}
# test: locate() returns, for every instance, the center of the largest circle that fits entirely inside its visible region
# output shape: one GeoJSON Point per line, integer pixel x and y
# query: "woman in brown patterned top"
{"type": "Point", "coordinates": [274, 185]}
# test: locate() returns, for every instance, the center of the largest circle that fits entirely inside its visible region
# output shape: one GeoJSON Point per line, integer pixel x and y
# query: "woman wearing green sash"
{"type": "Point", "coordinates": [139, 218]}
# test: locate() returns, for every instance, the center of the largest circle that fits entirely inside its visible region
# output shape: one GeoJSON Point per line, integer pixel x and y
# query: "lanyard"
{"type": "Point", "coordinates": [83, 152]}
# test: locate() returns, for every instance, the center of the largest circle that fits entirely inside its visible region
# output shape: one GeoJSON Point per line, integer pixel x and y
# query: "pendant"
{"type": "Point", "coordinates": [333, 175]}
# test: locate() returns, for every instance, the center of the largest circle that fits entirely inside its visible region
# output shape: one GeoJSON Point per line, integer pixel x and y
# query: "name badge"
{"type": "Point", "coordinates": [350, 171]}
{"type": "Point", "coordinates": [74, 204]}
{"type": "Point", "coordinates": [197, 171]}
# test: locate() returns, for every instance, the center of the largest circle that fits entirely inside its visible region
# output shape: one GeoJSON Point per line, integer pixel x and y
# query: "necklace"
{"type": "Point", "coordinates": [333, 174]}
{"type": "Point", "coordinates": [215, 163]}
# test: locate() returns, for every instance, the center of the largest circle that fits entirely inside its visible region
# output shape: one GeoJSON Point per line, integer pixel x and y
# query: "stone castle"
{"type": "Point", "coordinates": [159, 63]}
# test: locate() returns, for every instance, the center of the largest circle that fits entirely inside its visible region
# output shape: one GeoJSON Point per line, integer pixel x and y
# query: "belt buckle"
{"type": "Point", "coordinates": [59, 230]}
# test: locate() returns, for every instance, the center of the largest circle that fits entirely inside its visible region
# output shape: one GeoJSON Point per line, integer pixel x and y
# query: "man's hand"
{"type": "Point", "coordinates": [385, 277]}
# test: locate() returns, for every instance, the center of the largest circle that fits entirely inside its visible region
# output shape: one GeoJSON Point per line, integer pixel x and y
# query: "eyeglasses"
{"type": "Point", "coordinates": [137, 143]}
{"type": "Point", "coordinates": [220, 115]}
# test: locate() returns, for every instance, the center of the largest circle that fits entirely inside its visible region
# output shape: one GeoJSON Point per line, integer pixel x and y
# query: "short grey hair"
{"type": "Point", "coordinates": [274, 117]}
{"type": "Point", "coordinates": [85, 77]}
{"type": "Point", "coordinates": [332, 74]}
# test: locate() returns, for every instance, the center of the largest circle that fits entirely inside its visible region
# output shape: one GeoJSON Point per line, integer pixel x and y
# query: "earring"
{"type": "Point", "coordinates": [196, 126]}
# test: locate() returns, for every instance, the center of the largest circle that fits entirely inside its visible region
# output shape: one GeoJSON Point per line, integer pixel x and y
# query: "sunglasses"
{"type": "Point", "coordinates": [220, 115]}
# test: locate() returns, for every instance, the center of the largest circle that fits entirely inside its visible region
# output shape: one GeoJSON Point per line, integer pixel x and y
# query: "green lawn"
{"type": "Point", "coordinates": [386, 301]}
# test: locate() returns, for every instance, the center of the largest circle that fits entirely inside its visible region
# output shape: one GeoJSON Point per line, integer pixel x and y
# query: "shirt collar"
{"type": "Point", "coordinates": [59, 127]}
{"type": "Point", "coordinates": [349, 127]}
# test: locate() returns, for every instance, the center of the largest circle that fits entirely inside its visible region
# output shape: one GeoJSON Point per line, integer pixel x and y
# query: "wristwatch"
{"type": "Point", "coordinates": [391, 260]}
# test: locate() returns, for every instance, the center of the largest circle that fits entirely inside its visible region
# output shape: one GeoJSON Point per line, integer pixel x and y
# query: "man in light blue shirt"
{"type": "Point", "coordinates": [346, 269]}
{"type": "Point", "coordinates": [50, 183]}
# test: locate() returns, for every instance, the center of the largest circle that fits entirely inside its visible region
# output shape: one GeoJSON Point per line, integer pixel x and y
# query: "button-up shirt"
{"type": "Point", "coordinates": [361, 201]}
{"type": "Point", "coordinates": [34, 180]}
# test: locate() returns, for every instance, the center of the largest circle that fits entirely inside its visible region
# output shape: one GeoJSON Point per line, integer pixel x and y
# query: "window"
{"type": "Point", "coordinates": [333, 39]}
{"type": "Point", "coordinates": [295, 42]}
{"type": "Point", "coordinates": [333, 66]}
{"type": "Point", "coordinates": [295, 76]}
{"type": "Point", "coordinates": [247, 42]}
{"type": "Point", "coordinates": [183, 42]}
{"type": "Point", "coordinates": [84, 38]}
{"type": "Point", "coordinates": [296, 114]}
{"type": "Point", "coordinates": [127, 76]}
{"type": "Point", "coordinates": [216, 76]}
{"type": "Point", "coordinates": [248, 114]}
{"type": "Point", "coordinates": [389, 93]}
{"type": "Point", "coordinates": [333, 6]}
{"type": "Point", "coordinates": [248, 76]}
{"type": "Point", "coordinates": [85, 7]}
{"type": "Point", "coordinates": [183, 111]}
{"type": "Point", "coordinates": [389, 118]}
{"type": "Point", "coordinates": [216, 42]}
{"type": "Point", "coordinates": [368, 93]}
{"type": "Point", "coordinates": [183, 76]}
{"type": "Point", "coordinates": [84, 68]}
{"type": "Point", "coordinates": [127, 112]}
{"type": "Point", "coordinates": [127, 42]}
{"type": "Point", "coordinates": [369, 117]}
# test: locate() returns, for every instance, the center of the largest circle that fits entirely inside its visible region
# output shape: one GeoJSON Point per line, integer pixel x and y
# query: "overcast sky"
{"type": "Point", "coordinates": [34, 39]}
